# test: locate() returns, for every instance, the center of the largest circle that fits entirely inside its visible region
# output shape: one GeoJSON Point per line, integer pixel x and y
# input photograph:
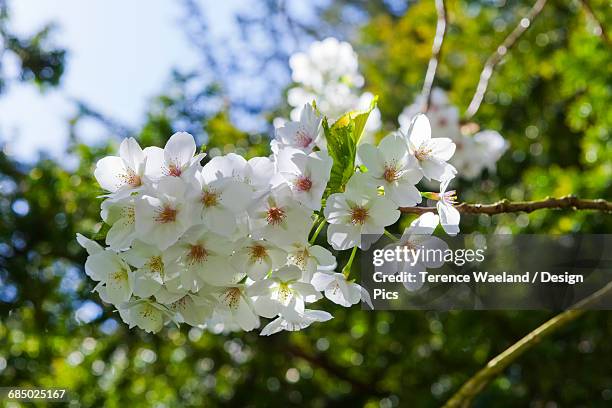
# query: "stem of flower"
{"type": "Point", "coordinates": [316, 233]}
{"type": "Point", "coordinates": [346, 271]}
{"type": "Point", "coordinates": [391, 236]}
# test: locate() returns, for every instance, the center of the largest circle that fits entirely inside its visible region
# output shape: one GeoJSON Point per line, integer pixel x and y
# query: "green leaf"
{"type": "Point", "coordinates": [342, 140]}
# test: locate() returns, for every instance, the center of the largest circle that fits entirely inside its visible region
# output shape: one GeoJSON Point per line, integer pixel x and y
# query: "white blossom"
{"type": "Point", "coordinates": [431, 153]}
{"type": "Point", "coordinates": [449, 216]}
{"type": "Point", "coordinates": [357, 211]}
{"type": "Point", "coordinates": [163, 215]}
{"type": "Point", "coordinates": [337, 288]}
{"type": "Point", "coordinates": [122, 174]}
{"type": "Point", "coordinates": [304, 134]}
{"type": "Point", "coordinates": [176, 159]}
{"type": "Point", "coordinates": [306, 175]}
{"type": "Point", "coordinates": [392, 166]}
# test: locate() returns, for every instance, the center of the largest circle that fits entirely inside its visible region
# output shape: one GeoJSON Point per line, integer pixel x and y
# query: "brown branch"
{"type": "Point", "coordinates": [505, 206]}
{"type": "Point", "coordinates": [600, 29]}
{"type": "Point", "coordinates": [499, 54]}
{"type": "Point", "coordinates": [479, 381]}
{"type": "Point", "coordinates": [436, 52]}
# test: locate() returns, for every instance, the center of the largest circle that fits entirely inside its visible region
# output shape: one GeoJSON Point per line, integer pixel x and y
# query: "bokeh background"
{"type": "Point", "coordinates": [76, 77]}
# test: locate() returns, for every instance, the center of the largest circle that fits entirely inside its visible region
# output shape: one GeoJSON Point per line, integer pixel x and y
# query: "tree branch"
{"type": "Point", "coordinates": [505, 206]}
{"type": "Point", "coordinates": [479, 381]}
{"type": "Point", "coordinates": [436, 52]}
{"type": "Point", "coordinates": [600, 30]}
{"type": "Point", "coordinates": [499, 54]}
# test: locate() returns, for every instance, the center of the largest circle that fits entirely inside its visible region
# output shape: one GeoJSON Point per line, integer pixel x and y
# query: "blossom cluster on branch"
{"type": "Point", "coordinates": [226, 244]}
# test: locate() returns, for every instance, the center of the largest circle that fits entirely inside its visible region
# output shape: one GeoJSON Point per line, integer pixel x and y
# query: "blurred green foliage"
{"type": "Point", "coordinates": [550, 98]}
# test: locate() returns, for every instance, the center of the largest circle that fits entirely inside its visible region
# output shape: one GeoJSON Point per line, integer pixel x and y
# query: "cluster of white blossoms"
{"type": "Point", "coordinates": [329, 73]}
{"type": "Point", "coordinates": [231, 242]}
{"type": "Point", "coordinates": [474, 152]}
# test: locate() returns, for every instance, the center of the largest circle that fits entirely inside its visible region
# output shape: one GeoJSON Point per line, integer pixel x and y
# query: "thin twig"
{"type": "Point", "coordinates": [505, 206]}
{"type": "Point", "coordinates": [499, 54]}
{"type": "Point", "coordinates": [479, 381]}
{"type": "Point", "coordinates": [600, 30]}
{"type": "Point", "coordinates": [436, 52]}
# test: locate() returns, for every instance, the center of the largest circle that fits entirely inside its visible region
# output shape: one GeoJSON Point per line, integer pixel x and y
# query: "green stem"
{"type": "Point", "coordinates": [390, 235]}
{"type": "Point", "coordinates": [346, 271]}
{"type": "Point", "coordinates": [316, 233]}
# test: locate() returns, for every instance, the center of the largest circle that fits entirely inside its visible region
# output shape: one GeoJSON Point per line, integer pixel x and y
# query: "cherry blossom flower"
{"type": "Point", "coordinates": [307, 175]}
{"type": "Point", "coordinates": [144, 314]}
{"type": "Point", "coordinates": [282, 293]}
{"type": "Point", "coordinates": [202, 257]}
{"type": "Point", "coordinates": [417, 239]}
{"type": "Point", "coordinates": [176, 159]}
{"type": "Point", "coordinates": [392, 166]}
{"type": "Point", "coordinates": [337, 288]}
{"type": "Point", "coordinates": [220, 200]}
{"type": "Point", "coordinates": [162, 216]}
{"type": "Point", "coordinates": [359, 210]}
{"type": "Point", "coordinates": [431, 153]}
{"type": "Point", "coordinates": [310, 258]}
{"type": "Point", "coordinates": [151, 268]}
{"type": "Point", "coordinates": [278, 218]}
{"type": "Point", "coordinates": [449, 216]}
{"type": "Point", "coordinates": [304, 134]}
{"type": "Point", "coordinates": [257, 257]}
{"type": "Point", "coordinates": [234, 303]}
{"type": "Point", "coordinates": [112, 273]}
{"type": "Point", "coordinates": [124, 174]}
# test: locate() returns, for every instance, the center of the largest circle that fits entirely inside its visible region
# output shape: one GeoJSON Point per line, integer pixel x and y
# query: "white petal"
{"type": "Point", "coordinates": [99, 265]}
{"type": "Point", "coordinates": [325, 259]}
{"type": "Point", "coordinates": [236, 196]}
{"type": "Point", "coordinates": [321, 280]}
{"type": "Point", "coordinates": [419, 131]}
{"type": "Point", "coordinates": [155, 164]}
{"type": "Point", "coordinates": [403, 194]}
{"type": "Point", "coordinates": [383, 212]}
{"type": "Point", "coordinates": [131, 153]}
{"type": "Point", "coordinates": [120, 235]}
{"type": "Point", "coordinates": [441, 147]}
{"type": "Point", "coordinates": [266, 307]}
{"type": "Point", "coordinates": [369, 156]}
{"type": "Point", "coordinates": [449, 218]}
{"type": "Point", "coordinates": [180, 149]}
{"type": "Point", "coordinates": [245, 317]}
{"type": "Point", "coordinates": [220, 220]}
{"type": "Point", "coordinates": [109, 173]}
{"type": "Point", "coordinates": [341, 236]}
{"type": "Point", "coordinates": [434, 168]}
{"type": "Point", "coordinates": [92, 247]}
{"type": "Point", "coordinates": [425, 224]}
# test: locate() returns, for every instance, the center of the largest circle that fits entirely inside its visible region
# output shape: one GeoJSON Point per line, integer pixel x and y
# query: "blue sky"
{"type": "Point", "coordinates": [120, 55]}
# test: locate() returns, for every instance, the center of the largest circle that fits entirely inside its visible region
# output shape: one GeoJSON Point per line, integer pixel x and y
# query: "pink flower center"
{"type": "Point", "coordinates": [276, 215]}
{"type": "Point", "coordinates": [302, 138]}
{"type": "Point", "coordinates": [303, 184]}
